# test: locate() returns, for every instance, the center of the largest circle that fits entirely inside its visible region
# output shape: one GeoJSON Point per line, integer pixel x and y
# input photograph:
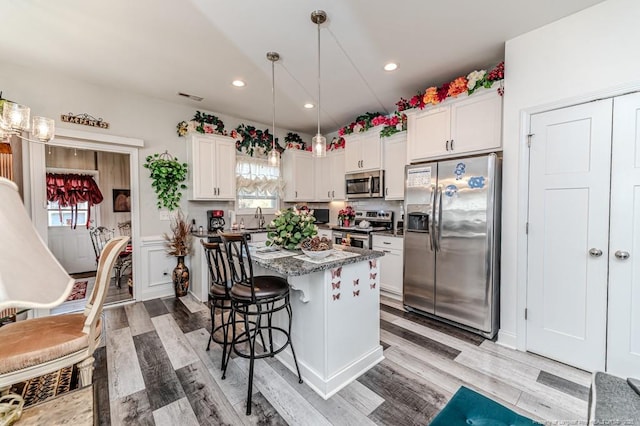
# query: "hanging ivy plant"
{"type": "Point", "coordinates": [167, 176]}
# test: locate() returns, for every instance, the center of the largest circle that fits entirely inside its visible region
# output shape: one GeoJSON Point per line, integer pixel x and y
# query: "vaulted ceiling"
{"type": "Point", "coordinates": [162, 47]}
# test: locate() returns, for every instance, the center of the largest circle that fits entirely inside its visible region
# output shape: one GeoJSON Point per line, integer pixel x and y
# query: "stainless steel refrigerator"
{"type": "Point", "coordinates": [452, 241]}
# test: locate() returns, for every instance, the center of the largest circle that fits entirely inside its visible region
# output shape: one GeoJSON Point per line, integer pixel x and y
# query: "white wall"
{"type": "Point", "coordinates": [129, 115]}
{"type": "Point", "coordinates": [584, 56]}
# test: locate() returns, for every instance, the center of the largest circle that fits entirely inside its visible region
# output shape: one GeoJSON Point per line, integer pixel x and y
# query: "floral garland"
{"type": "Point", "coordinates": [294, 141]}
{"type": "Point", "coordinates": [201, 123]}
{"type": "Point", "coordinates": [469, 84]}
{"type": "Point", "coordinates": [432, 96]}
{"type": "Point", "coordinates": [254, 140]}
{"type": "Point", "coordinates": [363, 123]}
{"type": "Point", "coordinates": [337, 143]}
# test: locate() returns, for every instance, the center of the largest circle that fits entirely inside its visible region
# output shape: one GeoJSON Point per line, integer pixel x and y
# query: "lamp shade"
{"type": "Point", "coordinates": [30, 276]}
{"type": "Point", "coordinates": [43, 128]}
{"type": "Point", "coordinates": [15, 116]}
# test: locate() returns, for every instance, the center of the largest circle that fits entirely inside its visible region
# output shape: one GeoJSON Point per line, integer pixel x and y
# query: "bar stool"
{"type": "Point", "coordinates": [219, 296]}
{"type": "Point", "coordinates": [255, 298]}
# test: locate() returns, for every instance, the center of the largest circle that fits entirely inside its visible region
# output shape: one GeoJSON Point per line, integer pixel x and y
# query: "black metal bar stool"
{"type": "Point", "coordinates": [255, 299]}
{"type": "Point", "coordinates": [219, 296]}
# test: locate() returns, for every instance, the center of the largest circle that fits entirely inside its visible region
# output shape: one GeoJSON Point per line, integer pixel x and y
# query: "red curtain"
{"type": "Point", "coordinates": [69, 189]}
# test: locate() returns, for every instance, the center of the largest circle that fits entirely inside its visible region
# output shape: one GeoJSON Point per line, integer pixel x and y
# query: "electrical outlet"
{"type": "Point", "coordinates": [164, 214]}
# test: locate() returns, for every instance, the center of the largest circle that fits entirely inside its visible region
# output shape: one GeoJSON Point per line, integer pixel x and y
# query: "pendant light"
{"type": "Point", "coordinates": [274, 155]}
{"type": "Point", "coordinates": [319, 142]}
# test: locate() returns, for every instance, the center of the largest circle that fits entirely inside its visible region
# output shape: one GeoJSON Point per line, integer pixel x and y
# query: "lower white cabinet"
{"type": "Point", "coordinates": [323, 232]}
{"type": "Point", "coordinates": [392, 264]}
{"type": "Point", "coordinates": [258, 237]}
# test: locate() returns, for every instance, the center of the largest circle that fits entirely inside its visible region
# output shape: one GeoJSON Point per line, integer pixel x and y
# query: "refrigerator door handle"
{"type": "Point", "coordinates": [432, 216]}
{"type": "Point", "coordinates": [437, 207]}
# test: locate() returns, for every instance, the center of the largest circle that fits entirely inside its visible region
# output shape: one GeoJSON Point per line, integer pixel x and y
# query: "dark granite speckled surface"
{"type": "Point", "coordinates": [292, 267]}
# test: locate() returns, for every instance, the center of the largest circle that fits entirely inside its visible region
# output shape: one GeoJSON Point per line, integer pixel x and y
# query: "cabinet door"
{"type": "Point", "coordinates": [338, 191]}
{"type": "Point", "coordinates": [395, 157]}
{"type": "Point", "coordinates": [304, 174]}
{"type": "Point", "coordinates": [371, 151]}
{"type": "Point", "coordinates": [353, 154]}
{"type": "Point", "coordinates": [391, 270]}
{"type": "Point", "coordinates": [324, 233]}
{"type": "Point", "coordinates": [428, 133]}
{"type": "Point", "coordinates": [476, 123]}
{"type": "Point", "coordinates": [322, 180]}
{"type": "Point", "coordinates": [225, 168]}
{"type": "Point", "coordinates": [202, 161]}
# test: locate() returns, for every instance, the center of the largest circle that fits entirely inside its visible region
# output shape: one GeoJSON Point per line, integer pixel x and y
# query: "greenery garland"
{"type": "Point", "coordinates": [294, 141]}
{"type": "Point", "coordinates": [167, 175]}
{"type": "Point", "coordinates": [255, 140]}
{"type": "Point", "coordinates": [202, 123]}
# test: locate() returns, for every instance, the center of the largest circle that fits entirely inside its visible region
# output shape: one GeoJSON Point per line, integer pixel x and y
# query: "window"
{"type": "Point", "coordinates": [258, 183]}
{"type": "Point", "coordinates": [58, 217]}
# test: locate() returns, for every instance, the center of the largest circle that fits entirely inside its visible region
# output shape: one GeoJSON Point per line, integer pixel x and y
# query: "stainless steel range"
{"type": "Point", "coordinates": [376, 220]}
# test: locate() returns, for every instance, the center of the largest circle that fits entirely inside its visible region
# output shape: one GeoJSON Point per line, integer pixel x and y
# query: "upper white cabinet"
{"type": "Point", "coordinates": [460, 126]}
{"type": "Point", "coordinates": [298, 171]}
{"type": "Point", "coordinates": [329, 176]}
{"type": "Point", "coordinates": [395, 158]}
{"type": "Point", "coordinates": [212, 167]}
{"type": "Point", "coordinates": [363, 151]}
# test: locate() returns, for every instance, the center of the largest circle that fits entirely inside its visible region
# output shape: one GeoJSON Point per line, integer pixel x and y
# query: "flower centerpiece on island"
{"type": "Point", "coordinates": [346, 215]}
{"type": "Point", "coordinates": [290, 227]}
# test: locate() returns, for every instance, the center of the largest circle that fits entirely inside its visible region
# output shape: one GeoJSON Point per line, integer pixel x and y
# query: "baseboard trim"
{"type": "Point", "coordinates": [507, 339]}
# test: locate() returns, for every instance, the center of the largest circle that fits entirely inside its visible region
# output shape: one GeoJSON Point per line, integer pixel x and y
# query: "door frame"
{"type": "Point", "coordinates": [34, 155]}
{"type": "Point", "coordinates": [519, 341]}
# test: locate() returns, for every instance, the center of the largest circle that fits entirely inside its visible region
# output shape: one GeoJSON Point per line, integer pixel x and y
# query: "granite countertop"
{"type": "Point", "coordinates": [292, 267]}
{"type": "Point", "coordinates": [215, 234]}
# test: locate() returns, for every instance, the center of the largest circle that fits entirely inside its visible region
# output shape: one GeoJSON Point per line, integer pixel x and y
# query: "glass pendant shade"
{"type": "Point", "coordinates": [319, 144]}
{"type": "Point", "coordinates": [274, 158]}
{"type": "Point", "coordinates": [43, 128]}
{"type": "Point", "coordinates": [15, 117]}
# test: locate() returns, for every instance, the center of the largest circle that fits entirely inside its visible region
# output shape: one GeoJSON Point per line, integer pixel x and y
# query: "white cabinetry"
{"type": "Point", "coordinates": [395, 158]}
{"type": "Point", "coordinates": [298, 170]}
{"type": "Point", "coordinates": [212, 167]}
{"type": "Point", "coordinates": [324, 232]}
{"type": "Point", "coordinates": [363, 151]}
{"type": "Point", "coordinates": [392, 264]}
{"type": "Point", "coordinates": [469, 124]}
{"type": "Point", "coordinates": [329, 176]}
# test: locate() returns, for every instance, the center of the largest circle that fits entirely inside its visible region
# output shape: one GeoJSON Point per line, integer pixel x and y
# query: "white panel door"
{"type": "Point", "coordinates": [225, 165]}
{"type": "Point", "coordinates": [428, 133]}
{"type": "Point", "coordinates": [568, 234]}
{"type": "Point", "coordinates": [73, 248]}
{"type": "Point", "coordinates": [623, 346]}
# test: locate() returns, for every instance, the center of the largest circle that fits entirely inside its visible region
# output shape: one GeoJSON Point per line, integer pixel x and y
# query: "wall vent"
{"type": "Point", "coordinates": [193, 97]}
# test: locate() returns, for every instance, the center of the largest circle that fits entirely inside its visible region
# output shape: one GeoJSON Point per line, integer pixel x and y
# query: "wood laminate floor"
{"type": "Point", "coordinates": [153, 369]}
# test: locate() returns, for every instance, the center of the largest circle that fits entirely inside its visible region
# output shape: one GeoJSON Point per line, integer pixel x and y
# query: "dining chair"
{"type": "Point", "coordinates": [38, 346]}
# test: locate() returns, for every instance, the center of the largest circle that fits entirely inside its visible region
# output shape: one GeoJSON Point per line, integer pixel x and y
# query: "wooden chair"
{"type": "Point", "coordinates": [43, 345]}
{"type": "Point", "coordinates": [124, 228]}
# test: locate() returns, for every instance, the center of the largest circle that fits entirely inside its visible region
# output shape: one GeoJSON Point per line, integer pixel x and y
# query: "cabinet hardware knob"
{"type": "Point", "coordinates": [328, 194]}
{"type": "Point", "coordinates": [447, 145]}
{"type": "Point", "coordinates": [386, 191]}
{"type": "Point", "coordinates": [333, 194]}
{"type": "Point", "coordinates": [622, 255]}
{"type": "Point", "coordinates": [386, 242]}
{"type": "Point", "coordinates": [387, 251]}
{"type": "Point", "coordinates": [451, 144]}
{"type": "Point", "coordinates": [595, 252]}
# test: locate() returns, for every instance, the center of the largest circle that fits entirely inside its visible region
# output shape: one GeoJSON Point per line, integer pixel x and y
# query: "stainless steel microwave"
{"type": "Point", "coordinates": [365, 185]}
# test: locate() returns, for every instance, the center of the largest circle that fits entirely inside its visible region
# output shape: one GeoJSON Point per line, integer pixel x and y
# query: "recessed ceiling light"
{"type": "Point", "coordinates": [391, 66]}
{"type": "Point", "coordinates": [309, 105]}
{"type": "Point", "coordinates": [238, 83]}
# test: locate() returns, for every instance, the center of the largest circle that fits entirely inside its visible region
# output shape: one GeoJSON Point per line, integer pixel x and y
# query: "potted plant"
{"type": "Point", "coordinates": [167, 176]}
{"type": "Point", "coordinates": [346, 215]}
{"type": "Point", "coordinates": [290, 227]}
{"type": "Point", "coordinates": [178, 244]}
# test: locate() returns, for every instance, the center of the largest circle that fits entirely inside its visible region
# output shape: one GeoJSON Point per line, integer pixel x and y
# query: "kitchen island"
{"type": "Point", "coordinates": [336, 313]}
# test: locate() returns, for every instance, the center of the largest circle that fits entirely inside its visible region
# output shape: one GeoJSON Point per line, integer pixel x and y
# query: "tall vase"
{"type": "Point", "coordinates": [346, 223]}
{"type": "Point", "coordinates": [181, 278]}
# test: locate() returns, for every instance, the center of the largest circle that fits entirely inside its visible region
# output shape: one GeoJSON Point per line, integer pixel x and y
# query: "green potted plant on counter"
{"type": "Point", "coordinates": [290, 227]}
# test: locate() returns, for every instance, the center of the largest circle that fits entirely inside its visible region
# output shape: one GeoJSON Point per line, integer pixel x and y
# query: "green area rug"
{"type": "Point", "coordinates": [470, 408]}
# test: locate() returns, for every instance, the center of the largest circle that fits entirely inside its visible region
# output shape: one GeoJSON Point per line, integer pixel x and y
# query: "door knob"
{"type": "Point", "coordinates": [622, 255]}
{"type": "Point", "coordinates": [595, 252]}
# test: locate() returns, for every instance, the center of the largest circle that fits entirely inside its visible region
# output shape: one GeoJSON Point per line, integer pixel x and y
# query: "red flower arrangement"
{"type": "Point", "coordinates": [347, 213]}
{"type": "Point", "coordinates": [337, 143]}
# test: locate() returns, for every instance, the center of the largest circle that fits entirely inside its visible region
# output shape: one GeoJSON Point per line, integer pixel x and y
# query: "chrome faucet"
{"type": "Point", "coordinates": [260, 217]}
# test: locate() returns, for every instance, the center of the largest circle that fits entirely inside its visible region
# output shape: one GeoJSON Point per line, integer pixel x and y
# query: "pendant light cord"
{"type": "Point", "coordinates": [273, 101]}
{"type": "Point", "coordinates": [318, 78]}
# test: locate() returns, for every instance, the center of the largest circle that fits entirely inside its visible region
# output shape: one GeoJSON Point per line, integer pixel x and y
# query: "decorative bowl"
{"type": "Point", "coordinates": [319, 254]}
